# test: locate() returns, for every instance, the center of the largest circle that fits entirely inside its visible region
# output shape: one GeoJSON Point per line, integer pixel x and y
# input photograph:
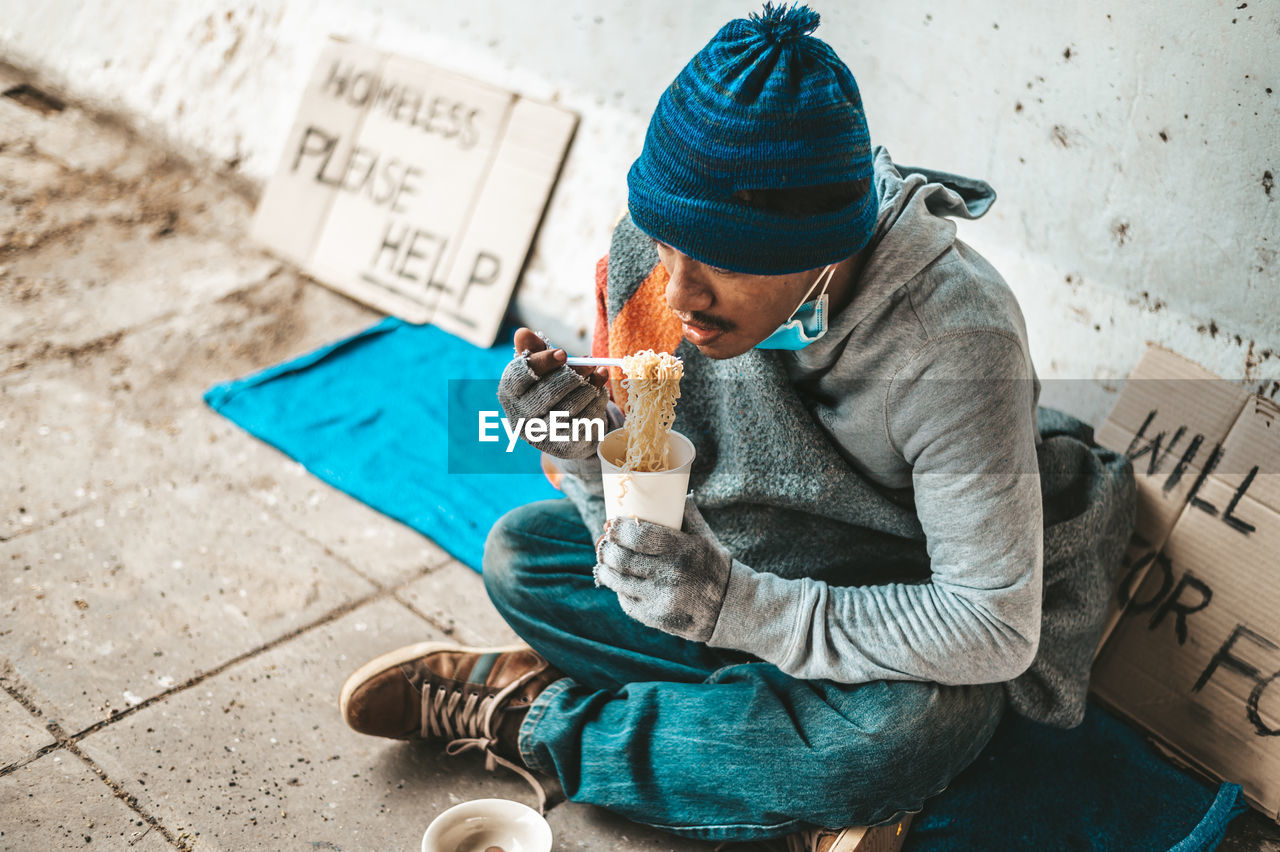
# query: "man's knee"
{"type": "Point", "coordinates": [503, 539]}
{"type": "Point", "coordinates": [505, 549]}
{"type": "Point", "coordinates": [943, 731]}
{"type": "Point", "coordinates": [913, 745]}
{"type": "Point", "coordinates": [529, 540]}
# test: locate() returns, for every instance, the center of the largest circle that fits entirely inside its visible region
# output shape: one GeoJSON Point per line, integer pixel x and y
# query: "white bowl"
{"type": "Point", "coordinates": [481, 824]}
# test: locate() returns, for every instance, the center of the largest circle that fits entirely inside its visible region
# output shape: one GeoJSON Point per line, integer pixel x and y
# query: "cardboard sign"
{"type": "Point", "coordinates": [413, 189]}
{"type": "Point", "coordinates": [1192, 653]}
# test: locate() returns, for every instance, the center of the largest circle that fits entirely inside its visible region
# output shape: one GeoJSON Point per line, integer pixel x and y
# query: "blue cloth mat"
{"type": "Point", "coordinates": [391, 416]}
{"type": "Point", "coordinates": [1099, 786]}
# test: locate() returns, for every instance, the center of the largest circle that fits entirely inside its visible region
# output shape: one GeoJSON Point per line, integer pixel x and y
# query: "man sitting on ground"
{"type": "Point", "coordinates": [878, 504]}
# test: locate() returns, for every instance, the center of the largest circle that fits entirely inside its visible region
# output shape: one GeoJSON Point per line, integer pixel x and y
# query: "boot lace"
{"type": "Point", "coordinates": [467, 722]}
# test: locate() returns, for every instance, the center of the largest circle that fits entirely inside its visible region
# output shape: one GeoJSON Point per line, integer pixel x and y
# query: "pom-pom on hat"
{"type": "Point", "coordinates": [764, 105]}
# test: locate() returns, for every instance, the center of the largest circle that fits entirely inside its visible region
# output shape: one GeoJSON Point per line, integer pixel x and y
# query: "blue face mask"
{"type": "Point", "coordinates": [807, 324]}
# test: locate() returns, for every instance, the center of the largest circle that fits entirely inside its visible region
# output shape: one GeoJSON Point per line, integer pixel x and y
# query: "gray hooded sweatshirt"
{"type": "Point", "coordinates": [925, 385]}
{"type": "Point", "coordinates": [880, 490]}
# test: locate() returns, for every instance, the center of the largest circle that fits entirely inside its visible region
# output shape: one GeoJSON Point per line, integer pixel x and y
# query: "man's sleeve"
{"type": "Point", "coordinates": [581, 480]}
{"type": "Point", "coordinates": [961, 412]}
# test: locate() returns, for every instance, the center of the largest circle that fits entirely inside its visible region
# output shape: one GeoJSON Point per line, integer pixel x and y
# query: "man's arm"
{"type": "Point", "coordinates": [961, 412]}
{"type": "Point", "coordinates": [582, 482]}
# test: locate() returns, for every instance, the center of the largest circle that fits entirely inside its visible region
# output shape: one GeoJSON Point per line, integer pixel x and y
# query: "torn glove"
{"type": "Point", "coordinates": [672, 580]}
{"type": "Point", "coordinates": [524, 395]}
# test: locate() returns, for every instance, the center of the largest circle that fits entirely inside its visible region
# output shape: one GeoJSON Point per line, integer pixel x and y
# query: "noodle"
{"type": "Point", "coordinates": [653, 386]}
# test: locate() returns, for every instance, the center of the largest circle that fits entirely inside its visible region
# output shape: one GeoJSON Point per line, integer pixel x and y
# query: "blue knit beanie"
{"type": "Point", "coordinates": [764, 105]}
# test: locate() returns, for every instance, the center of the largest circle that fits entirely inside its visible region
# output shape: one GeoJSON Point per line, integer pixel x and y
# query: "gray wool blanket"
{"type": "Point", "coordinates": [1090, 501]}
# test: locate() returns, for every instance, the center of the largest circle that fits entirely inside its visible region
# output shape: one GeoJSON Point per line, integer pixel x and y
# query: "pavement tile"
{"type": "Point", "coordinates": [382, 549]}
{"type": "Point", "coordinates": [101, 232]}
{"type": "Point", "coordinates": [70, 442]}
{"type": "Point", "coordinates": [57, 802]}
{"type": "Point", "coordinates": [84, 204]}
{"type": "Point", "coordinates": [75, 292]}
{"type": "Point", "coordinates": [21, 734]}
{"type": "Point", "coordinates": [576, 827]}
{"type": "Point", "coordinates": [158, 375]}
{"type": "Point", "coordinates": [454, 597]}
{"type": "Point", "coordinates": [72, 138]}
{"type": "Point", "coordinates": [131, 410]}
{"type": "Point", "coordinates": [86, 144]}
{"type": "Point", "coordinates": [150, 588]}
{"type": "Point", "coordinates": [165, 367]}
{"type": "Point", "coordinates": [147, 387]}
{"type": "Point", "coordinates": [38, 208]}
{"type": "Point", "coordinates": [214, 448]}
{"type": "Point", "coordinates": [258, 757]}
{"type": "Point", "coordinates": [25, 178]}
{"type": "Point", "coordinates": [66, 447]}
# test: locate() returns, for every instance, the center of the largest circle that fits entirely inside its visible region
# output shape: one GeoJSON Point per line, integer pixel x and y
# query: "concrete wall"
{"type": "Point", "coordinates": [1133, 144]}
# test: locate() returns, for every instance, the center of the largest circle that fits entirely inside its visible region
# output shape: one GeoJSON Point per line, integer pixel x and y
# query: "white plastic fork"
{"type": "Point", "coordinates": [582, 361]}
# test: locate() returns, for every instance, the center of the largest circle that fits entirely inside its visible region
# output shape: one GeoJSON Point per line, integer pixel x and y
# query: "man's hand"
{"type": "Point", "coordinates": [543, 359]}
{"type": "Point", "coordinates": [669, 579]}
{"type": "Point", "coordinates": [537, 382]}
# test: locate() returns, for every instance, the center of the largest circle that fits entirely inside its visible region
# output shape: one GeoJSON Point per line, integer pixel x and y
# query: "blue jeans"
{"type": "Point", "coordinates": [702, 742]}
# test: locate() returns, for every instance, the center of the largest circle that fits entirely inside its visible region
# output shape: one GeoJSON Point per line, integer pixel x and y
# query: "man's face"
{"type": "Point", "coordinates": [726, 313]}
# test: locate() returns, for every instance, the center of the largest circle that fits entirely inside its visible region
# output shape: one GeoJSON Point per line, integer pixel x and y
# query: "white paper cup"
{"type": "Point", "coordinates": [657, 497]}
{"type": "Point", "coordinates": [481, 824]}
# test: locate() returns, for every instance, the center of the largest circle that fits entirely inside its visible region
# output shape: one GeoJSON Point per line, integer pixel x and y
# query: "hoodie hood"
{"type": "Point", "coordinates": [913, 229]}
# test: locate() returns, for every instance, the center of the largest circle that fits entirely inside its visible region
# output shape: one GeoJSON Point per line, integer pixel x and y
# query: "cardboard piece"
{"type": "Point", "coordinates": [413, 189]}
{"type": "Point", "coordinates": [1192, 652]}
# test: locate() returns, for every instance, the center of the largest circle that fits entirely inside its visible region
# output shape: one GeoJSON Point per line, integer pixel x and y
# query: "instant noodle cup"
{"type": "Point", "coordinates": [654, 496]}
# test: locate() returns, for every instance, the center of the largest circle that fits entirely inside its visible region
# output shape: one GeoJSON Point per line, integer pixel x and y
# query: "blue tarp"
{"type": "Point", "coordinates": [370, 415]}
{"type": "Point", "coordinates": [1098, 786]}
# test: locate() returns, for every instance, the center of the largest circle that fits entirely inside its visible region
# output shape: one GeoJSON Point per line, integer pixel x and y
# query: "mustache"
{"type": "Point", "coordinates": [708, 321]}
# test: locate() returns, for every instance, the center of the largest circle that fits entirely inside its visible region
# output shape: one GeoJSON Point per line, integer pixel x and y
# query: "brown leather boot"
{"type": "Point", "coordinates": [468, 698]}
{"type": "Point", "coordinates": [878, 838]}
